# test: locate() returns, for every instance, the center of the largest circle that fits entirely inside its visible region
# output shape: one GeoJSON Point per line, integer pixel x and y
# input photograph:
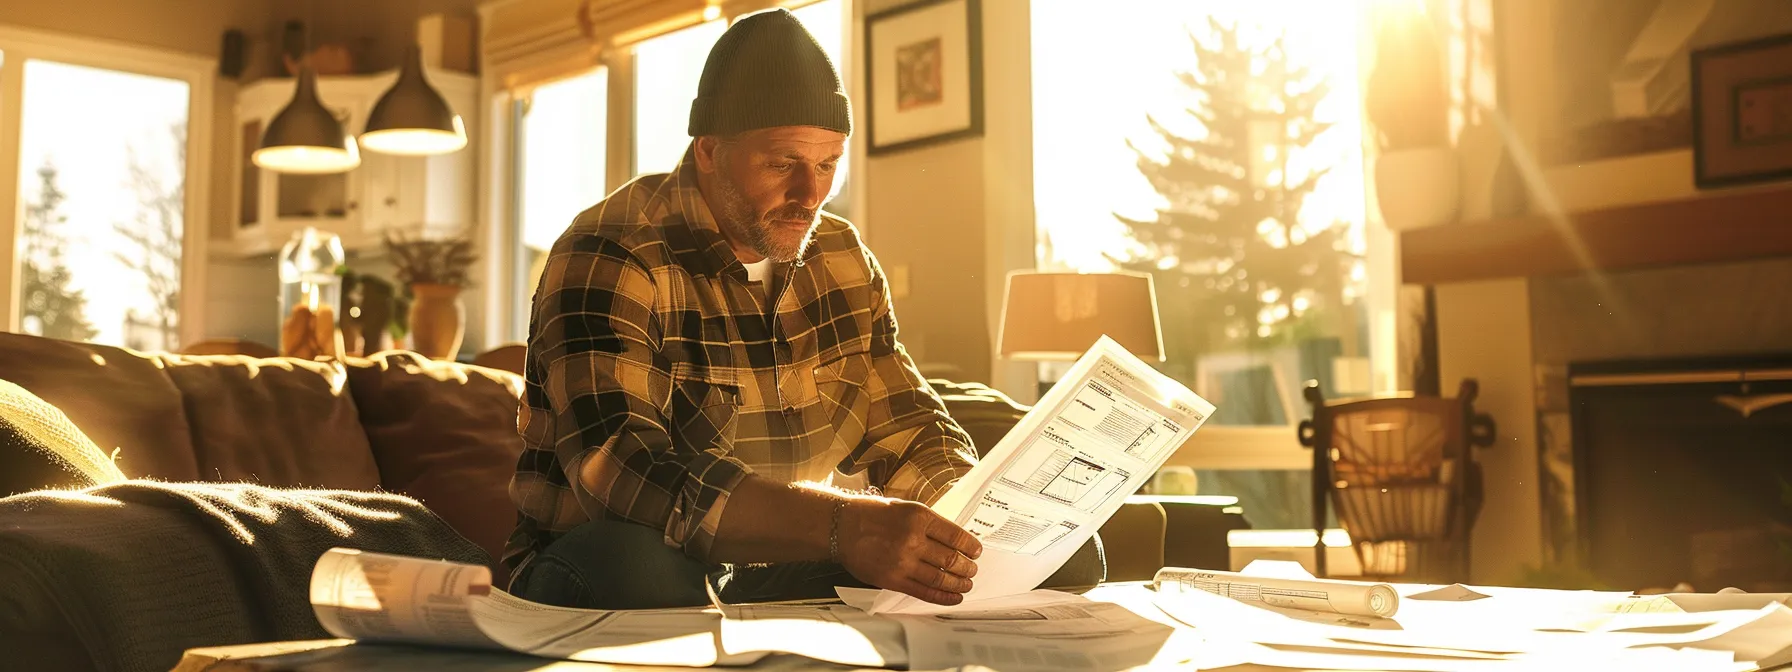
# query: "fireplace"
{"type": "Point", "coordinates": [1683, 471]}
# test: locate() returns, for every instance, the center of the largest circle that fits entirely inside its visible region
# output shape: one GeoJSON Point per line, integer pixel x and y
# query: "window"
{"type": "Point", "coordinates": [666, 72]}
{"type": "Point", "coordinates": [827, 20]}
{"type": "Point", "coordinates": [1217, 145]}
{"type": "Point", "coordinates": [560, 159]}
{"type": "Point", "coordinates": [102, 195]}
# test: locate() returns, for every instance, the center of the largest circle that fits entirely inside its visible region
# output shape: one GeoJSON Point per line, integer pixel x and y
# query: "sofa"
{"type": "Point", "coordinates": [441, 433]}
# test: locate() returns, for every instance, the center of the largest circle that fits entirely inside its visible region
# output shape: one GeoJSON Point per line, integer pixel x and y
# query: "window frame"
{"type": "Point", "coordinates": [19, 45]}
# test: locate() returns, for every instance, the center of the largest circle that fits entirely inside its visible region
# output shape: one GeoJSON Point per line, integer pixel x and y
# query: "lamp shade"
{"type": "Point", "coordinates": [1058, 316]}
{"type": "Point", "coordinates": [306, 137]}
{"type": "Point", "coordinates": [412, 118]}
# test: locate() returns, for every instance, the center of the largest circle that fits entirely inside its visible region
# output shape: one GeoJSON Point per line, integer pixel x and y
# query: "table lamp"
{"type": "Point", "coordinates": [1050, 316]}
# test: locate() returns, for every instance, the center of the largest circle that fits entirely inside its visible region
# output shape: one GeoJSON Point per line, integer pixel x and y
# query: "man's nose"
{"type": "Point", "coordinates": [809, 187]}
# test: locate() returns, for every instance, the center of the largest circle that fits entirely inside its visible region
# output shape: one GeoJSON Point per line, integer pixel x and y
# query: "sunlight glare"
{"type": "Point", "coordinates": [1087, 109]}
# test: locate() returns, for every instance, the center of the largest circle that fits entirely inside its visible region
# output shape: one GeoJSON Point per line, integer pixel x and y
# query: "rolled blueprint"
{"type": "Point", "coordinates": [1342, 597]}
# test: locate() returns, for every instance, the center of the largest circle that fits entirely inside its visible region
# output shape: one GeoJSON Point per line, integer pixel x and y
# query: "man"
{"type": "Point", "coordinates": [714, 390]}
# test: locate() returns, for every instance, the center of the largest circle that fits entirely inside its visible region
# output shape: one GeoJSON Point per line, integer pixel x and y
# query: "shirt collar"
{"type": "Point", "coordinates": [688, 201]}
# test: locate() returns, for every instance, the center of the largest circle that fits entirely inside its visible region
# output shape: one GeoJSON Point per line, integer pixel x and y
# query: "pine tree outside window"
{"type": "Point", "coordinates": [98, 212]}
{"type": "Point", "coordinates": [1218, 146]}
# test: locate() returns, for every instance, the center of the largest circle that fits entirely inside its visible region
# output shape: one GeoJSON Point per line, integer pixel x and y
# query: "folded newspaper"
{"type": "Point", "coordinates": [1065, 468]}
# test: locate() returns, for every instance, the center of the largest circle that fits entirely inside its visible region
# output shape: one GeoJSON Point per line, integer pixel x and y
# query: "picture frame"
{"type": "Point", "coordinates": [923, 75]}
{"type": "Point", "coordinates": [1742, 112]}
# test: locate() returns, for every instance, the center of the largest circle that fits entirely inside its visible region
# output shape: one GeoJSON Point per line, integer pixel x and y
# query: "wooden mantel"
{"type": "Point", "coordinates": [1728, 226]}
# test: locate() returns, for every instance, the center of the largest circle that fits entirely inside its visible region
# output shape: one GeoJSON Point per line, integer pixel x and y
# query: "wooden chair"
{"type": "Point", "coordinates": [507, 357]}
{"type": "Point", "coordinates": [1399, 470]}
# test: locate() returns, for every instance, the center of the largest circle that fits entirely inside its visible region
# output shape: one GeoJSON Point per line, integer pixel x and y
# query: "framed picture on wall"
{"type": "Point", "coordinates": [1742, 112]}
{"type": "Point", "coordinates": [924, 74]}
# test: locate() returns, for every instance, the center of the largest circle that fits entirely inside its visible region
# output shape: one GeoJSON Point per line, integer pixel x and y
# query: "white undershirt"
{"type": "Point", "coordinates": [757, 270]}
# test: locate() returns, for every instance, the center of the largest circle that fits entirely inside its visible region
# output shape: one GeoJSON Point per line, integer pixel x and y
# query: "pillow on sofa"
{"type": "Point", "coordinates": [276, 422]}
{"type": "Point", "coordinates": [119, 398]}
{"type": "Point", "coordinates": [40, 448]}
{"type": "Point", "coordinates": [445, 434]}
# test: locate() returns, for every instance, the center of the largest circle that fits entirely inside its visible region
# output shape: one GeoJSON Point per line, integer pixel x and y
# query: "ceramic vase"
{"type": "Point", "coordinates": [438, 320]}
{"type": "Point", "coordinates": [1417, 187]}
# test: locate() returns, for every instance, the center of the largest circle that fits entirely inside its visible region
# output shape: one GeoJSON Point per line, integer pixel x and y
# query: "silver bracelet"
{"type": "Point", "coordinates": [834, 530]}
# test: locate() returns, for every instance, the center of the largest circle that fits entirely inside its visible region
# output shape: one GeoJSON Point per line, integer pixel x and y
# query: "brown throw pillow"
{"type": "Point", "coordinates": [445, 434]}
{"type": "Point", "coordinates": [277, 422]}
{"type": "Point", "coordinates": [119, 398]}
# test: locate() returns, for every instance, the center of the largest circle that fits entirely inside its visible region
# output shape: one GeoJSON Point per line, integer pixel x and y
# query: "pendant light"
{"type": "Point", "coordinates": [306, 137]}
{"type": "Point", "coordinates": [412, 118]}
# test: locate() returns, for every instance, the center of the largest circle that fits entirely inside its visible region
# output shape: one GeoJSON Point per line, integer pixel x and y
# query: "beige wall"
{"type": "Point", "coordinates": [949, 220]}
{"type": "Point", "coordinates": [1484, 333]}
{"type": "Point", "coordinates": [190, 26]}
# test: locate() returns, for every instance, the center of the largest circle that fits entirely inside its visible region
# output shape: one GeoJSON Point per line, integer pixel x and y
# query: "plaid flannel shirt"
{"type": "Point", "coordinates": [657, 378]}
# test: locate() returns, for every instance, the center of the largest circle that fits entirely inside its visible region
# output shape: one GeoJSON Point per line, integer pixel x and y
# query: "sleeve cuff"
{"type": "Point", "coordinates": [697, 511]}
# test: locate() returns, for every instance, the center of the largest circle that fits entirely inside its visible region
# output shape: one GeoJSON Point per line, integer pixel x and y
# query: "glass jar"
{"type": "Point", "coordinates": [308, 273]}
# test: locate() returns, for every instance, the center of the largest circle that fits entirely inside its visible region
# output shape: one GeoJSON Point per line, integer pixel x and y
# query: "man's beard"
{"type": "Point", "coordinates": [762, 233]}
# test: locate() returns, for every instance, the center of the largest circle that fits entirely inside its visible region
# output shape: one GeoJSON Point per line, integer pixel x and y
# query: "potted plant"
{"type": "Point", "coordinates": [433, 272]}
{"type": "Point", "coordinates": [1407, 100]}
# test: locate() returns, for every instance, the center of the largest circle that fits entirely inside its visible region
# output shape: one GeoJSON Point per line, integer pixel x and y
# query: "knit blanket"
{"type": "Point", "coordinates": [125, 576]}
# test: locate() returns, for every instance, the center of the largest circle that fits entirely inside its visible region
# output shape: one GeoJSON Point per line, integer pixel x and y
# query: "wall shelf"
{"type": "Point", "coordinates": [1710, 228]}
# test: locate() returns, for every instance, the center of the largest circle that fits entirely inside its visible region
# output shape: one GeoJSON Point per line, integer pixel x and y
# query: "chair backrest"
{"type": "Point", "coordinates": [507, 357]}
{"type": "Point", "coordinates": [1394, 442]}
{"type": "Point", "coordinates": [1399, 471]}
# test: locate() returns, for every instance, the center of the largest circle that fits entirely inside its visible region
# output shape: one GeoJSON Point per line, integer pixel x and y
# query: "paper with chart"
{"type": "Point", "coordinates": [376, 597]}
{"type": "Point", "coordinates": [1097, 436]}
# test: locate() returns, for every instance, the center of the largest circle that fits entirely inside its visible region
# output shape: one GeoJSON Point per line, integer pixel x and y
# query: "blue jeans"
{"type": "Point", "coordinates": [606, 564]}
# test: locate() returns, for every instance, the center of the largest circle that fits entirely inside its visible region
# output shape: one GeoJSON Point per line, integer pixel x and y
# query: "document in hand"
{"type": "Point", "coordinates": [1062, 471]}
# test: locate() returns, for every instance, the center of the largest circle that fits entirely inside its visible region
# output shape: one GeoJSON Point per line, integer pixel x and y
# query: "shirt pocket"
{"type": "Point", "coordinates": [701, 413]}
{"type": "Point", "coordinates": [841, 396]}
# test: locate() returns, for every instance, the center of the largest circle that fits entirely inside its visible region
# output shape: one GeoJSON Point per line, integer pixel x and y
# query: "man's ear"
{"type": "Point", "coordinates": [705, 150]}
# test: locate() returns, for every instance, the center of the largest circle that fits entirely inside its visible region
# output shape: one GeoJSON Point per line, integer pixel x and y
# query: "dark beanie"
{"type": "Point", "coordinates": [765, 71]}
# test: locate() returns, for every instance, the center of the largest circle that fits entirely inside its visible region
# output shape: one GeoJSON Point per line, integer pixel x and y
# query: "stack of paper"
{"type": "Point", "coordinates": [1451, 628]}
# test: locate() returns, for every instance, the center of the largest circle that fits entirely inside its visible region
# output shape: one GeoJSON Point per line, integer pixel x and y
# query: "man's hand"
{"type": "Point", "coordinates": [904, 546]}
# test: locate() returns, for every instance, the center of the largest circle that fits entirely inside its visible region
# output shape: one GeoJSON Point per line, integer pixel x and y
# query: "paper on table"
{"type": "Point", "coordinates": [1760, 636]}
{"type": "Point", "coordinates": [388, 598]}
{"type": "Point", "coordinates": [1238, 652]}
{"type": "Point", "coordinates": [833, 633]}
{"type": "Point", "coordinates": [1063, 470]}
{"type": "Point", "coordinates": [1084, 635]}
{"type": "Point", "coordinates": [686, 637]}
{"type": "Point", "coordinates": [863, 598]}
{"type": "Point", "coordinates": [1454, 592]}
{"type": "Point", "coordinates": [1696, 602]}
{"type": "Point", "coordinates": [1239, 633]}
